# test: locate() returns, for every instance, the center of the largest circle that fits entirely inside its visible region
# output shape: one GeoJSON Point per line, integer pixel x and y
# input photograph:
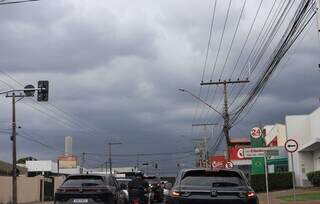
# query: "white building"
{"type": "Point", "coordinates": [275, 135]}
{"type": "Point", "coordinates": [42, 166]}
{"type": "Point", "coordinates": [47, 166]}
{"type": "Point", "coordinates": [305, 129]}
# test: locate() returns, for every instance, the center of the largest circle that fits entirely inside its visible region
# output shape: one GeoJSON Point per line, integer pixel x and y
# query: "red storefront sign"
{"type": "Point", "coordinates": [236, 153]}
{"type": "Point", "coordinates": [218, 161]}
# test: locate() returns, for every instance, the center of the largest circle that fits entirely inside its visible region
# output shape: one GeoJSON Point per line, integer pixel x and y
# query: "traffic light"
{"type": "Point", "coordinates": [156, 165]}
{"type": "Point", "coordinates": [43, 92]}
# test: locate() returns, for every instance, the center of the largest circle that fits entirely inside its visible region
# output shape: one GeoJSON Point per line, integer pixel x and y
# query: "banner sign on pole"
{"type": "Point", "coordinates": [260, 152]}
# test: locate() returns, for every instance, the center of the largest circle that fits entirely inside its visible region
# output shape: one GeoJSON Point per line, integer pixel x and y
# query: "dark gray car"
{"type": "Point", "coordinates": [195, 186]}
{"type": "Point", "coordinates": [87, 189]}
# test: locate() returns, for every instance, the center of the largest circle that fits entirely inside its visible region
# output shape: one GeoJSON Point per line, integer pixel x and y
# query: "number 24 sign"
{"type": "Point", "coordinates": [256, 132]}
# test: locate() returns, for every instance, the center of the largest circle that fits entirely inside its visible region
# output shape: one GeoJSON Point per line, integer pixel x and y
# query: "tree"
{"type": "Point", "coordinates": [24, 159]}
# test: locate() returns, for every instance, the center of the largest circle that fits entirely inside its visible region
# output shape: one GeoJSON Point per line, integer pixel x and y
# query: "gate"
{"type": "Point", "coordinates": [47, 189]}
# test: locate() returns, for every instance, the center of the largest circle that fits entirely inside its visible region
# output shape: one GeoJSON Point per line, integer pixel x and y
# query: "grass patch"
{"type": "Point", "coordinates": [302, 197]}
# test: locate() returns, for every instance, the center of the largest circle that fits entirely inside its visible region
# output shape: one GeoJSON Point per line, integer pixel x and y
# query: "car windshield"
{"type": "Point", "coordinates": [212, 179]}
{"type": "Point", "coordinates": [81, 181]}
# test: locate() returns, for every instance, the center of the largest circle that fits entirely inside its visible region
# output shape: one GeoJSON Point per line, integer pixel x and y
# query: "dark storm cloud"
{"type": "Point", "coordinates": [117, 67]}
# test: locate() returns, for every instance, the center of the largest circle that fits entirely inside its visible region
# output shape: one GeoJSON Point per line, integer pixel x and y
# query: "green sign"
{"type": "Point", "coordinates": [257, 140]}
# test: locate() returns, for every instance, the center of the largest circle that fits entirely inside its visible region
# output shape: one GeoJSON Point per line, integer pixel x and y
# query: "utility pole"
{"type": "Point", "coordinates": [27, 91]}
{"type": "Point", "coordinates": [318, 14]}
{"type": "Point", "coordinates": [14, 151]}
{"type": "Point", "coordinates": [110, 160]}
{"type": "Point", "coordinates": [205, 140]}
{"type": "Point", "coordinates": [226, 117]}
{"type": "Point", "coordinates": [110, 156]}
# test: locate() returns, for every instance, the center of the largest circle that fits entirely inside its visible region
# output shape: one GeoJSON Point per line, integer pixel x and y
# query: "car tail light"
{"type": "Point", "coordinates": [60, 190]}
{"type": "Point", "coordinates": [175, 194]}
{"type": "Point", "coordinates": [101, 190]}
{"type": "Point", "coordinates": [251, 194]}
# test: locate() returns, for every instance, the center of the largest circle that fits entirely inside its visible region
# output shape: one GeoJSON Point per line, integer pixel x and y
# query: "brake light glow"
{"type": "Point", "coordinates": [175, 194]}
{"type": "Point", "coordinates": [251, 194]}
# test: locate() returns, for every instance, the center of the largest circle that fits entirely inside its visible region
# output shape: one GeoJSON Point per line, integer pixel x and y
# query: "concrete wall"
{"type": "Point", "coordinates": [28, 188]}
{"type": "Point", "coordinates": [58, 181]}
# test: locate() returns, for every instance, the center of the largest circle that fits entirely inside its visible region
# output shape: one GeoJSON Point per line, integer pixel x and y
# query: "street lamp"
{"type": "Point", "coordinates": [225, 116]}
{"type": "Point", "coordinates": [199, 99]}
{"type": "Point", "coordinates": [110, 159]}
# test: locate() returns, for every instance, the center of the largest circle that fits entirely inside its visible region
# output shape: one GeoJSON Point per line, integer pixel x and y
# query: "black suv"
{"type": "Point", "coordinates": [86, 188]}
{"type": "Point", "coordinates": [204, 186]}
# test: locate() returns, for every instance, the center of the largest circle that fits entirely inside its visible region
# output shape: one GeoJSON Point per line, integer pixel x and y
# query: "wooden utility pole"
{"type": "Point", "coordinates": [318, 14]}
{"type": "Point", "coordinates": [14, 151]}
{"type": "Point", "coordinates": [226, 118]}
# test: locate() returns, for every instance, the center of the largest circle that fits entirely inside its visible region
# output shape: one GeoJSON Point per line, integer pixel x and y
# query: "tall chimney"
{"type": "Point", "coordinates": [68, 146]}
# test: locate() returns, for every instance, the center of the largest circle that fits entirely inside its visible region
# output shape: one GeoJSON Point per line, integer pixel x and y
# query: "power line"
{"type": "Point", "coordinates": [3, 2]}
{"type": "Point", "coordinates": [205, 62]}
{"type": "Point", "coordinates": [219, 49]}
{"type": "Point", "coordinates": [142, 154]}
{"type": "Point", "coordinates": [303, 16]}
{"type": "Point", "coordinates": [233, 38]}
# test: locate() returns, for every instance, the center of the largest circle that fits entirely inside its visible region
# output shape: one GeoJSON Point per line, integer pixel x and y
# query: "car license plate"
{"type": "Point", "coordinates": [80, 200]}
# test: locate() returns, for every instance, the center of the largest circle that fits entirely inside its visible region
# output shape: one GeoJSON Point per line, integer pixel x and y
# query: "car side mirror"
{"type": "Point", "coordinates": [168, 186]}
{"type": "Point", "coordinates": [123, 186]}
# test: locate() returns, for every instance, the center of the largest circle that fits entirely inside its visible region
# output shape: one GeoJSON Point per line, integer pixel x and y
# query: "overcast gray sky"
{"type": "Point", "coordinates": [115, 67]}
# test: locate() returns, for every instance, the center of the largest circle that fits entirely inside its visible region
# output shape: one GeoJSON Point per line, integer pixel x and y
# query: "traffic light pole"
{"type": "Point", "coordinates": [29, 91]}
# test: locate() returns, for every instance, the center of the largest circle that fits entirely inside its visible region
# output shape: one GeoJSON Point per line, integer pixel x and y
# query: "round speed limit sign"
{"type": "Point", "coordinates": [256, 132]}
{"type": "Point", "coordinates": [229, 165]}
{"type": "Point", "coordinates": [291, 145]}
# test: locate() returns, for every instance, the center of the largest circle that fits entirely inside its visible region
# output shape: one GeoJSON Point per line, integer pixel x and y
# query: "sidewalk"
{"type": "Point", "coordinates": [274, 196]}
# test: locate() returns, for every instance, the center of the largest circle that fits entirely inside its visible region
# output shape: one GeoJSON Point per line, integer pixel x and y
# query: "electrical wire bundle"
{"type": "Point", "coordinates": [302, 17]}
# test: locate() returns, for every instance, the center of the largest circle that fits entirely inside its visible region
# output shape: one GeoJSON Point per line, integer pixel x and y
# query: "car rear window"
{"type": "Point", "coordinates": [212, 179]}
{"type": "Point", "coordinates": [80, 181]}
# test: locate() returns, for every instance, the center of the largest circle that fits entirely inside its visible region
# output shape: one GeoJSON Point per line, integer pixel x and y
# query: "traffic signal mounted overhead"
{"type": "Point", "coordinates": [43, 92]}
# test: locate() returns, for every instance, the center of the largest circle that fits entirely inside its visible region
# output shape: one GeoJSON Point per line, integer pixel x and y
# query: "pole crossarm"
{"type": "Point", "coordinates": [205, 124]}
{"type": "Point", "coordinates": [19, 90]}
{"type": "Point", "coordinates": [223, 82]}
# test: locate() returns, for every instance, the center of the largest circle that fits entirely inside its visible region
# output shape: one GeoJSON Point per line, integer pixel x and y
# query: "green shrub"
{"type": "Point", "coordinates": [277, 181]}
{"type": "Point", "coordinates": [314, 177]}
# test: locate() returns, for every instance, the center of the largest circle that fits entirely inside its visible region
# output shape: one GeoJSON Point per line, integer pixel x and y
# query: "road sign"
{"type": "Point", "coordinates": [29, 92]}
{"type": "Point", "coordinates": [229, 165]}
{"type": "Point", "coordinates": [291, 145]}
{"type": "Point", "coordinates": [260, 152]}
{"type": "Point", "coordinates": [256, 132]}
